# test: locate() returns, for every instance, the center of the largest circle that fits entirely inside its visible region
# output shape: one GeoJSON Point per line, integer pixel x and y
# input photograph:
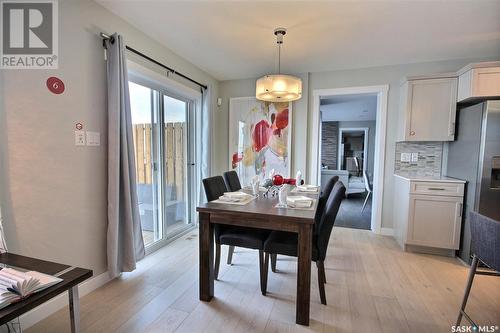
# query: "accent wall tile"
{"type": "Point", "coordinates": [430, 156]}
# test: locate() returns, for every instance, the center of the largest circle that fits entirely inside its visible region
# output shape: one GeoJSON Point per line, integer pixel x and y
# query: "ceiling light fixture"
{"type": "Point", "coordinates": [278, 87]}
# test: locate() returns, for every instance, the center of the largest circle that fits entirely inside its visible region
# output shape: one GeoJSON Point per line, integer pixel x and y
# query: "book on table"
{"type": "Point", "coordinates": [16, 285]}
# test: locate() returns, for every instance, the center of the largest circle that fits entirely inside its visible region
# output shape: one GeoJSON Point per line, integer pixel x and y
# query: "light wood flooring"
{"type": "Point", "coordinates": [372, 286]}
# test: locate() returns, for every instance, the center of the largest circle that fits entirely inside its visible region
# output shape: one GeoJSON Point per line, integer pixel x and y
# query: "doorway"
{"type": "Point", "coordinates": [372, 166]}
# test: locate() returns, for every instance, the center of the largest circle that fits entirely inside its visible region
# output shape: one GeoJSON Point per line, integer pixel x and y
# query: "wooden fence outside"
{"type": "Point", "coordinates": [174, 157]}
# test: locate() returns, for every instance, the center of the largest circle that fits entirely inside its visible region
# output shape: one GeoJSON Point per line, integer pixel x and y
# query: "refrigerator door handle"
{"type": "Point", "coordinates": [460, 208]}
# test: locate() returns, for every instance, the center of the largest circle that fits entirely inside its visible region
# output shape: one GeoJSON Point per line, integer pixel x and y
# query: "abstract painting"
{"type": "Point", "coordinates": [259, 138]}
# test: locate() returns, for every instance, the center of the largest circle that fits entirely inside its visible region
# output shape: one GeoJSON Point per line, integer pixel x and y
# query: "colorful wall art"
{"type": "Point", "coordinates": [259, 138]}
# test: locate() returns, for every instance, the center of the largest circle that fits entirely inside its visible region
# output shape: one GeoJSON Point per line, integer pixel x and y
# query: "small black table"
{"type": "Point", "coordinates": [71, 277]}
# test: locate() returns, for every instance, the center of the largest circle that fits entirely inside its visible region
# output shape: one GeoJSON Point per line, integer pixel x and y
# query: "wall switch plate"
{"type": "Point", "coordinates": [93, 138]}
{"type": "Point", "coordinates": [405, 157]}
{"type": "Point", "coordinates": [79, 138]}
{"type": "Point", "coordinates": [414, 157]}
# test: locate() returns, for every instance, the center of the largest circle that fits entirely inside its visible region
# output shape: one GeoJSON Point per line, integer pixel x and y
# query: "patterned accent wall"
{"type": "Point", "coordinates": [329, 143]}
{"type": "Point", "coordinates": [430, 155]}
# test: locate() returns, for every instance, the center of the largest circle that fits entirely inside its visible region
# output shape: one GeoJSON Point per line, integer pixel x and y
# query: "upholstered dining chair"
{"type": "Point", "coordinates": [485, 234]}
{"type": "Point", "coordinates": [286, 243]}
{"type": "Point", "coordinates": [233, 184]}
{"type": "Point", "coordinates": [325, 193]}
{"type": "Point", "coordinates": [232, 180]}
{"type": "Point", "coordinates": [251, 238]}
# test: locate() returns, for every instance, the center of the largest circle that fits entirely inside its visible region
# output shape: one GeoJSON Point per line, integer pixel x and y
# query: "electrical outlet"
{"type": "Point", "coordinates": [79, 138]}
{"type": "Point", "coordinates": [414, 157]}
{"type": "Point", "coordinates": [405, 157]}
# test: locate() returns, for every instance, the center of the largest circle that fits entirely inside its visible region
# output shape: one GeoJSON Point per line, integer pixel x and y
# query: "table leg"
{"type": "Point", "coordinates": [74, 309]}
{"type": "Point", "coordinates": [304, 274]}
{"type": "Point", "coordinates": [206, 257]}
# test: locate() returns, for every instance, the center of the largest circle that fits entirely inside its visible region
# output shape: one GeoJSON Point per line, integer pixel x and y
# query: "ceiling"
{"type": "Point", "coordinates": [234, 39]}
{"type": "Point", "coordinates": [355, 107]}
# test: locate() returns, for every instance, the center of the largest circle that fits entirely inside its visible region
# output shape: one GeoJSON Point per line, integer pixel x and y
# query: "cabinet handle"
{"type": "Point", "coordinates": [412, 133]}
{"type": "Point", "coordinates": [436, 189]}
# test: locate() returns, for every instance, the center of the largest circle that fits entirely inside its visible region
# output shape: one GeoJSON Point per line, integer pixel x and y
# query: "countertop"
{"type": "Point", "coordinates": [441, 179]}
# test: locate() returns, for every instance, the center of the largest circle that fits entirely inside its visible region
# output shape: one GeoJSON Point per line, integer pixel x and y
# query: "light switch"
{"type": "Point", "coordinates": [414, 157]}
{"type": "Point", "coordinates": [93, 138]}
{"type": "Point", "coordinates": [79, 138]}
{"type": "Point", "coordinates": [405, 157]}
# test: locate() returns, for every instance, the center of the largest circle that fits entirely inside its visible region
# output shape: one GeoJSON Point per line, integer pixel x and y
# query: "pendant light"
{"type": "Point", "coordinates": [278, 87]}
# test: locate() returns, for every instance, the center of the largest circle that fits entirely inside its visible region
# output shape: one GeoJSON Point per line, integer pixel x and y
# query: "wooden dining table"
{"type": "Point", "coordinates": [259, 213]}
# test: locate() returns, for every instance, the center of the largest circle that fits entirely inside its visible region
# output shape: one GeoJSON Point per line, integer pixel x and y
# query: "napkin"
{"type": "Point", "coordinates": [234, 196]}
{"type": "Point", "coordinates": [299, 201]}
{"type": "Point", "coordinates": [307, 188]}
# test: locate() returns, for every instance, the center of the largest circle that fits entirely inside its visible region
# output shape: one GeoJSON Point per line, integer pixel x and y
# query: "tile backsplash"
{"type": "Point", "coordinates": [430, 156]}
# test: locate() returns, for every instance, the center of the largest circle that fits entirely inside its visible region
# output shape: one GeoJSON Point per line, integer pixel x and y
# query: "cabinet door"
{"type": "Point", "coordinates": [486, 82]}
{"type": "Point", "coordinates": [434, 221]}
{"type": "Point", "coordinates": [431, 109]}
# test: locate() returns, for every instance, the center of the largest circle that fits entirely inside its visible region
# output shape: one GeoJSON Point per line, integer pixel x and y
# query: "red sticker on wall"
{"type": "Point", "coordinates": [55, 85]}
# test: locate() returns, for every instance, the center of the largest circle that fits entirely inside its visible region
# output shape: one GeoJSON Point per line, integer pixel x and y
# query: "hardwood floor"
{"type": "Point", "coordinates": [372, 286]}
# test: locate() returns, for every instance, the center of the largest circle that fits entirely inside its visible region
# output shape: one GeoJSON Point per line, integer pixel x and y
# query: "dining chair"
{"type": "Point", "coordinates": [232, 180]}
{"type": "Point", "coordinates": [485, 234]}
{"type": "Point", "coordinates": [286, 243]}
{"type": "Point", "coordinates": [368, 188]}
{"type": "Point", "coordinates": [251, 238]}
{"type": "Point", "coordinates": [233, 184]}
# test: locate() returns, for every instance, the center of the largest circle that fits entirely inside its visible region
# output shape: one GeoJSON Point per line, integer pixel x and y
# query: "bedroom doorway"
{"type": "Point", "coordinates": [348, 141]}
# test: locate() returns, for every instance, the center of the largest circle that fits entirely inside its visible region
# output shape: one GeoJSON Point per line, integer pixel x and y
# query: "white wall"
{"type": "Point", "coordinates": [55, 193]}
{"type": "Point", "coordinates": [392, 75]}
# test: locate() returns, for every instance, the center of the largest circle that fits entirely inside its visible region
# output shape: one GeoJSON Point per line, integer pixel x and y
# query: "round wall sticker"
{"type": "Point", "coordinates": [55, 85]}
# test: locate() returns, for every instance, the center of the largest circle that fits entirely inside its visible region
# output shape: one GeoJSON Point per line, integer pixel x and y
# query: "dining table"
{"type": "Point", "coordinates": [261, 212]}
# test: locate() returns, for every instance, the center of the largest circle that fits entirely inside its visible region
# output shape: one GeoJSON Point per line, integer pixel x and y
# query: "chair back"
{"type": "Point", "coordinates": [214, 187]}
{"type": "Point", "coordinates": [232, 181]}
{"type": "Point", "coordinates": [485, 233]}
{"type": "Point", "coordinates": [322, 201]}
{"type": "Point", "coordinates": [328, 218]}
{"type": "Point", "coordinates": [368, 187]}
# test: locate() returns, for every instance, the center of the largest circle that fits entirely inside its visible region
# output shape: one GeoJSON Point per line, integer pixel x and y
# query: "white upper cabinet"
{"type": "Point", "coordinates": [478, 81]}
{"type": "Point", "coordinates": [428, 109]}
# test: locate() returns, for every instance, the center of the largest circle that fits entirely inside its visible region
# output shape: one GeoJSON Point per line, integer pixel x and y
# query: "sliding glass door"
{"type": "Point", "coordinates": [163, 135]}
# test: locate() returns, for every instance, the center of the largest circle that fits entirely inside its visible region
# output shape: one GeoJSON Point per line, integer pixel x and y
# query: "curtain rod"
{"type": "Point", "coordinates": [105, 36]}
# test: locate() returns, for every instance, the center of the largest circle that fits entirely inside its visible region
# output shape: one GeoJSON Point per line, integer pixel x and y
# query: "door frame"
{"type": "Point", "coordinates": [381, 91]}
{"type": "Point", "coordinates": [365, 143]}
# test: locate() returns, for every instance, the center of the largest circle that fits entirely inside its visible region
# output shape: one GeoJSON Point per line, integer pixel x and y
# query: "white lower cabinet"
{"type": "Point", "coordinates": [428, 213]}
{"type": "Point", "coordinates": [434, 221]}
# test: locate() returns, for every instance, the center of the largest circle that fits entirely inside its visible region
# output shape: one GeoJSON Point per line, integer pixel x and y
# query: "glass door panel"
{"type": "Point", "coordinates": [144, 106]}
{"type": "Point", "coordinates": [176, 169]}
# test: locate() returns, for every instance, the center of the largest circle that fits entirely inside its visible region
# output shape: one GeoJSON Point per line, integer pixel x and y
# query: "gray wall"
{"type": "Point", "coordinates": [391, 75]}
{"type": "Point", "coordinates": [55, 198]}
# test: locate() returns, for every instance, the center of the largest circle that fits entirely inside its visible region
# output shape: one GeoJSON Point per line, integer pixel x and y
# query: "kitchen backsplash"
{"type": "Point", "coordinates": [430, 157]}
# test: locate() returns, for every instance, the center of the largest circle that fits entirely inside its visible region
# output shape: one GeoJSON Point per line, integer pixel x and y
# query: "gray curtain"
{"type": "Point", "coordinates": [124, 240]}
{"type": "Point", "coordinates": [206, 139]}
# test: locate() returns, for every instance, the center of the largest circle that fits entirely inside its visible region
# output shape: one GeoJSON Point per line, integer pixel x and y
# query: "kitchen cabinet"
{"type": "Point", "coordinates": [479, 80]}
{"type": "Point", "coordinates": [428, 108]}
{"type": "Point", "coordinates": [428, 212]}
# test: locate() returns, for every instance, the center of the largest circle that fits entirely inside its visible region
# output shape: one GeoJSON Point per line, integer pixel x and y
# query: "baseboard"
{"type": "Point", "coordinates": [387, 231]}
{"type": "Point", "coordinates": [55, 304]}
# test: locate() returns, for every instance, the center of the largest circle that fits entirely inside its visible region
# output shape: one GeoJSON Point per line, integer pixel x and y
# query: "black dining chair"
{"type": "Point", "coordinates": [232, 180]}
{"type": "Point", "coordinates": [485, 234]}
{"type": "Point", "coordinates": [325, 193]}
{"type": "Point", "coordinates": [286, 243]}
{"type": "Point", "coordinates": [251, 238]}
{"type": "Point", "coordinates": [233, 184]}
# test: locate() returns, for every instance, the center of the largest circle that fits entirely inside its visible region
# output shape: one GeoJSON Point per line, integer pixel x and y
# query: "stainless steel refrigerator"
{"type": "Point", "coordinates": [474, 156]}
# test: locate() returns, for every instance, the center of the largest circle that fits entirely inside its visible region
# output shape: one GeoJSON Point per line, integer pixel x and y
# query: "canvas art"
{"type": "Point", "coordinates": [259, 138]}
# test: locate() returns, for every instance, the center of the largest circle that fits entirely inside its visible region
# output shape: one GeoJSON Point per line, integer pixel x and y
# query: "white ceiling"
{"type": "Point", "coordinates": [234, 39]}
{"type": "Point", "coordinates": [362, 107]}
